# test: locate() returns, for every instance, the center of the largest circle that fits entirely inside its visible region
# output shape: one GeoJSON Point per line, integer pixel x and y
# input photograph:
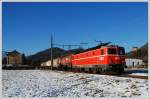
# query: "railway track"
{"type": "Point", "coordinates": [122, 75]}
{"type": "Point", "coordinates": [125, 74]}
{"type": "Point", "coordinates": [133, 76]}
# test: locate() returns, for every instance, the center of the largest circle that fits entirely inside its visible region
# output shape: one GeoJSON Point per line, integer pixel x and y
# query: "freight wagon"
{"type": "Point", "coordinates": [65, 62]}
{"type": "Point", "coordinates": [47, 64]}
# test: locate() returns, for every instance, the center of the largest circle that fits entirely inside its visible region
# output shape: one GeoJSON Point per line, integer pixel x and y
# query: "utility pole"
{"type": "Point", "coordinates": [7, 58]}
{"type": "Point", "coordinates": [51, 52]}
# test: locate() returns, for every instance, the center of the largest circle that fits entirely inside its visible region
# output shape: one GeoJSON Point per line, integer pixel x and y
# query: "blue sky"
{"type": "Point", "coordinates": [27, 27]}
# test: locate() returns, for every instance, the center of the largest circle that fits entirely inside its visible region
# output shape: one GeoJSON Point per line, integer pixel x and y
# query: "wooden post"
{"type": "Point", "coordinates": [51, 52]}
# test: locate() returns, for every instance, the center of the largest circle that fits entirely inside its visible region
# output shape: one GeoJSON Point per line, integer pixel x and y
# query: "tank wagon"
{"type": "Point", "coordinates": [47, 64]}
{"type": "Point", "coordinates": [65, 62]}
{"type": "Point", "coordinates": [106, 59]}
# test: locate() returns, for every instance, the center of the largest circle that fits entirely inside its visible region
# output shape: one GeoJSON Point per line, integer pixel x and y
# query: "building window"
{"type": "Point", "coordinates": [138, 63]}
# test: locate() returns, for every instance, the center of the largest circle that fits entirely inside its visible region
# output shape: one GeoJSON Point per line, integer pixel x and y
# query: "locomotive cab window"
{"type": "Point", "coordinates": [121, 51]}
{"type": "Point", "coordinates": [112, 51]}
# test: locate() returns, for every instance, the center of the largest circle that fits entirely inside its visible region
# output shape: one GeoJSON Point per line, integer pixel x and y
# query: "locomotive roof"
{"type": "Point", "coordinates": [93, 48]}
{"type": "Point", "coordinates": [97, 47]}
{"type": "Point", "coordinates": [112, 46]}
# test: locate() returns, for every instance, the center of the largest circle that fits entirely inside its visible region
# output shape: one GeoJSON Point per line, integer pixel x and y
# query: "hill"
{"type": "Point", "coordinates": [46, 54]}
{"type": "Point", "coordinates": [141, 53]}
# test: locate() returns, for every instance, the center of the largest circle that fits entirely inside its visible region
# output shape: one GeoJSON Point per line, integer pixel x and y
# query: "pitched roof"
{"type": "Point", "coordinates": [13, 53]}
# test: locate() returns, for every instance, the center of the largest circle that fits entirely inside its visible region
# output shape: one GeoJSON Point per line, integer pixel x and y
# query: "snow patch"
{"type": "Point", "coordinates": [46, 83]}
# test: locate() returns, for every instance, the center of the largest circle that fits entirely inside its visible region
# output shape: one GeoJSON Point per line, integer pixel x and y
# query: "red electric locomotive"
{"type": "Point", "coordinates": [106, 59]}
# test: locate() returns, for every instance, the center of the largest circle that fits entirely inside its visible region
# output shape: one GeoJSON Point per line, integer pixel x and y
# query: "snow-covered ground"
{"type": "Point", "coordinates": [46, 83]}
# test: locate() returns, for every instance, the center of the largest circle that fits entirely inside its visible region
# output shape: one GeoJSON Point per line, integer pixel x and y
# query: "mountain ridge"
{"type": "Point", "coordinates": [140, 53]}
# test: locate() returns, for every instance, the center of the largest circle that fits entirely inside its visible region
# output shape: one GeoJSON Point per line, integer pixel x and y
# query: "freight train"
{"type": "Point", "coordinates": [108, 59]}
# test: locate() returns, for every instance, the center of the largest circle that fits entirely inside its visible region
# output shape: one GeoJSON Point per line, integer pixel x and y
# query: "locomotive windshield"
{"type": "Point", "coordinates": [121, 51]}
{"type": "Point", "coordinates": [112, 51]}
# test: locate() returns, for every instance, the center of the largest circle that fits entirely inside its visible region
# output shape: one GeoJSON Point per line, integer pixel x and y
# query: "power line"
{"type": "Point", "coordinates": [66, 45]}
{"type": "Point", "coordinates": [83, 43]}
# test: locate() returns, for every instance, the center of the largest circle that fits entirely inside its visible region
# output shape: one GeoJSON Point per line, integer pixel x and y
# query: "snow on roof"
{"type": "Point", "coordinates": [13, 53]}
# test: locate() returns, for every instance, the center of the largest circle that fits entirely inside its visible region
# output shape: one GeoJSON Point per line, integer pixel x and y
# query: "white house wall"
{"type": "Point", "coordinates": [134, 62]}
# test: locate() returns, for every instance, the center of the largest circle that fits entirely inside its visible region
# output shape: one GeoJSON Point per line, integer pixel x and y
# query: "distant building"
{"type": "Point", "coordinates": [14, 58]}
{"type": "Point", "coordinates": [130, 62]}
{"type": "Point", "coordinates": [134, 48]}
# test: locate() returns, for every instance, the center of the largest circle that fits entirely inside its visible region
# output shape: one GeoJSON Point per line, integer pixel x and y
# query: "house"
{"type": "Point", "coordinates": [14, 58]}
{"type": "Point", "coordinates": [130, 62]}
{"type": "Point", "coordinates": [134, 48]}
